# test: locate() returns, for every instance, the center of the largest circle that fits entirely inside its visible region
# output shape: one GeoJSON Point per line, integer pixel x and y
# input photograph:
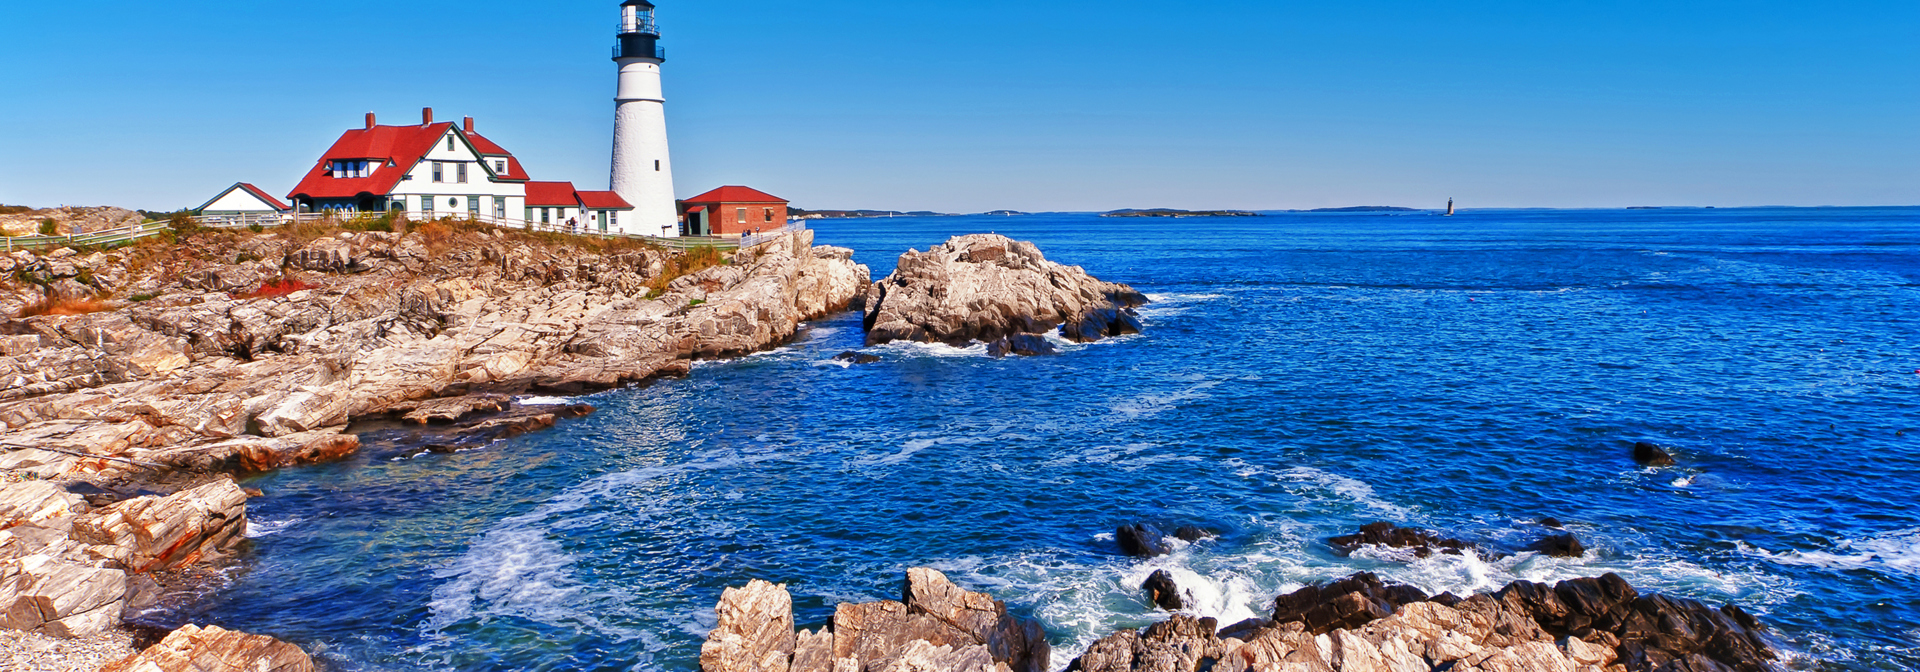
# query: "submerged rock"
{"type": "Point", "coordinates": [1422, 542]}
{"type": "Point", "coordinates": [987, 287]}
{"type": "Point", "coordinates": [853, 357]}
{"type": "Point", "coordinates": [1025, 345]}
{"type": "Point", "coordinates": [1142, 540]}
{"type": "Point", "coordinates": [1651, 455]}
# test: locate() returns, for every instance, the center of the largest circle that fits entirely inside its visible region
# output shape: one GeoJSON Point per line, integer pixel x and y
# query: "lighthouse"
{"type": "Point", "coordinates": [642, 172]}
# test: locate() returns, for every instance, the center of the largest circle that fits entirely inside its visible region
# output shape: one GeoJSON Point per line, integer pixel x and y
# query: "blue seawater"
{"type": "Point", "coordinates": [1300, 375]}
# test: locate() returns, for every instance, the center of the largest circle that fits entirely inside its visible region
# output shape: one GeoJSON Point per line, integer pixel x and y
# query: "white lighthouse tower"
{"type": "Point", "coordinates": [642, 172]}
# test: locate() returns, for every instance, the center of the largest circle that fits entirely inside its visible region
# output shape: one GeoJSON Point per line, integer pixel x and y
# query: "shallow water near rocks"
{"type": "Point", "coordinates": [1301, 375]}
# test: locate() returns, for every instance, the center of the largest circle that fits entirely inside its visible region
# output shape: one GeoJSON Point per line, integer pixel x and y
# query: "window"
{"type": "Point", "coordinates": [743, 215]}
{"type": "Point", "coordinates": [453, 203]}
{"type": "Point", "coordinates": [544, 218]}
{"type": "Point", "coordinates": [656, 165]}
{"type": "Point", "coordinates": [500, 167]}
{"type": "Point", "coordinates": [473, 205]}
{"type": "Point", "coordinates": [769, 214]}
{"type": "Point", "coordinates": [460, 172]}
{"type": "Point", "coordinates": [449, 142]}
{"type": "Point", "coordinates": [439, 172]}
{"type": "Point", "coordinates": [349, 169]}
{"type": "Point", "coordinates": [426, 204]}
{"type": "Point", "coordinates": [499, 208]}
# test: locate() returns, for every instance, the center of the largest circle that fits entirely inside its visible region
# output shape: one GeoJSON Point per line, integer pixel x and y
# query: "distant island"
{"type": "Point", "coordinates": [798, 213]}
{"type": "Point", "coordinates": [1168, 212]}
{"type": "Point", "coordinates": [1364, 208]}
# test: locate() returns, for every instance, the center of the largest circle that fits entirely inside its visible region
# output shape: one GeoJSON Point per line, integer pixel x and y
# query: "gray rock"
{"type": "Point", "coordinates": [987, 287]}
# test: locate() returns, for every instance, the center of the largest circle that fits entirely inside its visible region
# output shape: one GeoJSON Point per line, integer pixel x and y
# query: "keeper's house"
{"type": "Point", "coordinates": [439, 169]}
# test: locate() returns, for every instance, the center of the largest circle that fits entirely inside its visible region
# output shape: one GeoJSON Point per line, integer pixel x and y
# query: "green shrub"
{"type": "Point", "coordinates": [142, 298]}
{"type": "Point", "coordinates": [48, 227]}
{"type": "Point", "coordinates": [256, 228]}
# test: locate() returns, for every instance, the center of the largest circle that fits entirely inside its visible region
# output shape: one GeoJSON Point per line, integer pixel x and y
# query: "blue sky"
{"type": "Point", "coordinates": [1031, 105]}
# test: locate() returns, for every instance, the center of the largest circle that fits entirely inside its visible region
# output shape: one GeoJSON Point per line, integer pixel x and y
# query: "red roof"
{"type": "Point", "coordinates": [487, 148]}
{"type": "Point", "coordinates": [603, 200]}
{"type": "Point", "coordinates": [400, 146]}
{"type": "Point", "coordinates": [736, 195]}
{"type": "Point", "coordinates": [551, 194]}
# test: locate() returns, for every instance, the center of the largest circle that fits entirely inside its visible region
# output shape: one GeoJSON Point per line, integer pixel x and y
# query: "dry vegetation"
{"type": "Point", "coordinates": [65, 307]}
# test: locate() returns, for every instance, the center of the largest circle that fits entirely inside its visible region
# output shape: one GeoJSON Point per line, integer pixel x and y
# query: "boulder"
{"type": "Point", "coordinates": [53, 596]}
{"type": "Point", "coordinates": [1651, 455]}
{"type": "Point", "coordinates": [1020, 643]}
{"type": "Point", "coordinates": [987, 287]}
{"type": "Point", "coordinates": [215, 649]}
{"type": "Point", "coordinates": [1025, 345]}
{"type": "Point", "coordinates": [1142, 540]}
{"type": "Point", "coordinates": [1423, 543]}
{"type": "Point", "coordinates": [34, 502]}
{"type": "Point", "coordinates": [1559, 546]}
{"type": "Point", "coordinates": [1162, 591]}
{"type": "Point", "coordinates": [755, 630]}
{"type": "Point", "coordinates": [1190, 533]}
{"type": "Point", "coordinates": [1347, 603]}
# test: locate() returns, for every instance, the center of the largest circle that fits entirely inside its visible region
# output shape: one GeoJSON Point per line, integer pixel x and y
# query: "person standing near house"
{"type": "Point", "coordinates": [572, 227]}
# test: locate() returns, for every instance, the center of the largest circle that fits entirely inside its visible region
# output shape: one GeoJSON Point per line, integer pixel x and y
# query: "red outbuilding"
{"type": "Point", "coordinates": [733, 211]}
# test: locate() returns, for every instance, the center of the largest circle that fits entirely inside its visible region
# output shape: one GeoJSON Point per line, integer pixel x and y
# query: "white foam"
{"type": "Point", "coordinates": [915, 349]}
{"type": "Point", "coordinates": [258, 528]}
{"type": "Point", "coordinates": [1352, 489]}
{"type": "Point", "coordinates": [1893, 552]}
{"type": "Point", "coordinates": [1151, 404]}
{"type": "Point", "coordinates": [518, 569]}
{"type": "Point", "coordinates": [545, 401]}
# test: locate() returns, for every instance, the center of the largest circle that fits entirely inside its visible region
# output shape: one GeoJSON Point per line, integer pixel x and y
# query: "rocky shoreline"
{"type": "Point", "coordinates": [135, 382]}
{"type": "Point", "coordinates": [1356, 624]}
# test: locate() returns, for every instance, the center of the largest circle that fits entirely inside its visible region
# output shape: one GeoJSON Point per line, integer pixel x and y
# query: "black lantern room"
{"type": "Point", "coordinates": [639, 35]}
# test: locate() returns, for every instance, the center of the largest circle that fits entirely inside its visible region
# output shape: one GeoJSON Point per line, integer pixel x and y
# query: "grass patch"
{"type": "Point", "coordinates": [143, 298]}
{"type": "Point", "coordinates": [276, 288]}
{"type": "Point", "coordinates": [14, 209]}
{"type": "Point", "coordinates": [693, 260]}
{"type": "Point", "coordinates": [48, 227]}
{"type": "Point", "coordinates": [64, 307]}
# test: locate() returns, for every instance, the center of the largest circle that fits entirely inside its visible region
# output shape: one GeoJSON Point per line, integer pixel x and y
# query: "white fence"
{"type": "Point", "coordinates": [131, 234]}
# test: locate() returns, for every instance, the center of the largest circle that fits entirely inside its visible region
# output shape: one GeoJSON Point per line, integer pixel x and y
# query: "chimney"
{"type": "Point", "coordinates": [467, 124]}
{"type": "Point", "coordinates": [369, 121]}
{"type": "Point", "coordinates": [426, 116]}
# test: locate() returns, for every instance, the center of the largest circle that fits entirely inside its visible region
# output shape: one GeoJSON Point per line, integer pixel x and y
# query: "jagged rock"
{"type": "Point", "coordinates": [1020, 643]}
{"type": "Point", "coordinates": [1025, 345]}
{"type": "Point", "coordinates": [1142, 540]}
{"type": "Point", "coordinates": [1163, 592]}
{"type": "Point", "coordinates": [1560, 546]}
{"type": "Point", "coordinates": [812, 651]}
{"type": "Point", "coordinates": [163, 532]}
{"type": "Point", "coordinates": [1651, 455]}
{"type": "Point", "coordinates": [215, 649]}
{"type": "Point", "coordinates": [853, 357]}
{"type": "Point", "coordinates": [451, 409]}
{"type": "Point", "coordinates": [986, 287]}
{"type": "Point", "coordinates": [921, 656]}
{"type": "Point", "coordinates": [755, 632]}
{"type": "Point", "coordinates": [1422, 542]}
{"type": "Point", "coordinates": [326, 255]}
{"type": "Point", "coordinates": [1180, 644]}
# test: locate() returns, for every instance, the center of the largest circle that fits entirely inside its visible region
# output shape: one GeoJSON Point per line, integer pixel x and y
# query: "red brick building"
{"type": "Point", "coordinates": [732, 211]}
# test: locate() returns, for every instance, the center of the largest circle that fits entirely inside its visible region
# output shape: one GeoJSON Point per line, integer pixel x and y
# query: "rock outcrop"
{"type": "Point", "coordinates": [986, 288]}
{"type": "Point", "coordinates": [69, 219]}
{"type": "Point", "coordinates": [935, 627]}
{"type": "Point", "coordinates": [225, 355]}
{"type": "Point", "coordinates": [70, 570]}
{"type": "Point", "coordinates": [1361, 624]}
{"type": "Point", "coordinates": [215, 649]}
{"type": "Point", "coordinates": [1423, 543]}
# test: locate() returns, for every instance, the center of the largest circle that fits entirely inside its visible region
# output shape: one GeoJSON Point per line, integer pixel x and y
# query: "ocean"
{"type": "Point", "coordinates": [1300, 375]}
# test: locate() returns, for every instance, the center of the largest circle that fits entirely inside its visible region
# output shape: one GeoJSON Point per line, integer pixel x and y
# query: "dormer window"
{"type": "Point", "coordinates": [500, 167]}
{"type": "Point", "coordinates": [350, 168]}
